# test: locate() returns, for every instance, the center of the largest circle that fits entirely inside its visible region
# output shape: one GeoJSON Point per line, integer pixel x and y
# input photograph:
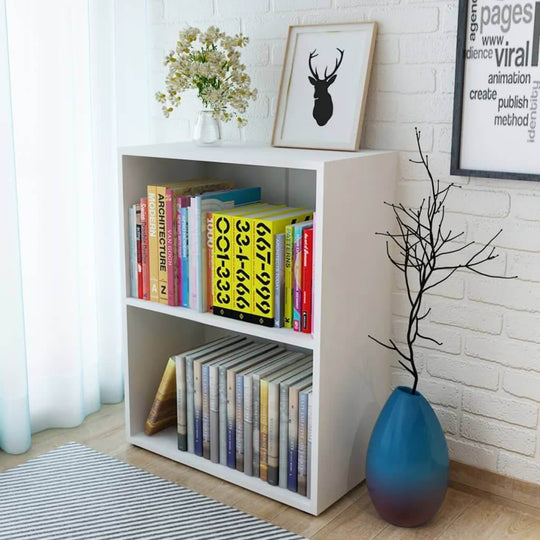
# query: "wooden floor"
{"type": "Point", "coordinates": [463, 515]}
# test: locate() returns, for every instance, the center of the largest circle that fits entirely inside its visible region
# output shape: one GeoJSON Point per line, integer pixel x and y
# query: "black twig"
{"type": "Point", "coordinates": [419, 251]}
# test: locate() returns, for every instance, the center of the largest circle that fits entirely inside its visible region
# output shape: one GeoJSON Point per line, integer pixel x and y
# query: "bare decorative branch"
{"type": "Point", "coordinates": [422, 248]}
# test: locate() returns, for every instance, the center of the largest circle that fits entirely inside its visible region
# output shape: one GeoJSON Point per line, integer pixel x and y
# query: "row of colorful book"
{"type": "Point", "coordinates": [204, 245]}
{"type": "Point", "coordinates": [247, 405]}
{"type": "Point", "coordinates": [263, 265]}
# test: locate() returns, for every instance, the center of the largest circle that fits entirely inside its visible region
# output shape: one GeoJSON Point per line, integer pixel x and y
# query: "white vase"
{"type": "Point", "coordinates": [207, 130]}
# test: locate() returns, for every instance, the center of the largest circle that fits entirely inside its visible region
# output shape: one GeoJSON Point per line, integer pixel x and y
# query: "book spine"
{"type": "Point", "coordinates": [273, 434]}
{"type": "Point", "coordinates": [144, 252]}
{"type": "Point", "coordinates": [279, 280]}
{"type": "Point", "coordinates": [292, 457]}
{"type": "Point", "coordinates": [133, 292]}
{"type": "Point", "coordinates": [297, 278]}
{"type": "Point", "coordinates": [181, 402]}
{"type": "Point", "coordinates": [263, 444]}
{"type": "Point", "coordinates": [179, 250]}
{"type": "Point", "coordinates": [310, 435]}
{"type": "Point", "coordinates": [313, 251]}
{"type": "Point", "coordinates": [263, 272]}
{"type": "Point", "coordinates": [231, 419]}
{"type": "Point", "coordinates": [197, 407]}
{"type": "Point", "coordinates": [162, 243]}
{"type": "Point", "coordinates": [214, 413]}
{"type": "Point", "coordinates": [307, 273]}
{"type": "Point", "coordinates": [223, 253]}
{"type": "Point", "coordinates": [302, 443]}
{"type": "Point", "coordinates": [170, 212]}
{"type": "Point", "coordinates": [209, 261]}
{"type": "Point", "coordinates": [256, 425]}
{"type": "Point", "coordinates": [190, 419]}
{"type": "Point", "coordinates": [201, 263]}
{"type": "Point", "coordinates": [206, 412]}
{"type": "Point", "coordinates": [248, 425]}
{"type": "Point", "coordinates": [222, 384]}
{"type": "Point", "coordinates": [283, 434]}
{"type": "Point", "coordinates": [239, 412]}
{"type": "Point", "coordinates": [153, 243]}
{"type": "Point", "coordinates": [163, 410]}
{"type": "Point", "coordinates": [288, 300]}
{"type": "Point", "coordinates": [185, 256]}
{"type": "Point", "coordinates": [242, 279]}
{"type": "Point", "coordinates": [199, 256]}
{"type": "Point", "coordinates": [192, 254]}
{"type": "Point", "coordinates": [138, 228]}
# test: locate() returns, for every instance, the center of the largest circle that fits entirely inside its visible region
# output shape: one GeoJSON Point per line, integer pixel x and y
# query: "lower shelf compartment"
{"type": "Point", "coordinates": [165, 443]}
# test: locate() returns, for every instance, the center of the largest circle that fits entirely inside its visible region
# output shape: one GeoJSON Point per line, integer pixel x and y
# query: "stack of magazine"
{"type": "Point", "coordinates": [248, 405]}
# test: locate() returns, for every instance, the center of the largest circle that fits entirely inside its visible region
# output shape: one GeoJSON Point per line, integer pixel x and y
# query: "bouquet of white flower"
{"type": "Point", "coordinates": [209, 62]}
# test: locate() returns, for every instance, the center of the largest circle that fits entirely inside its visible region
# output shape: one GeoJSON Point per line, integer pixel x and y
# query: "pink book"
{"type": "Point", "coordinates": [170, 212]}
{"type": "Point", "coordinates": [313, 274]}
{"type": "Point", "coordinates": [144, 247]}
{"type": "Point", "coordinates": [178, 274]}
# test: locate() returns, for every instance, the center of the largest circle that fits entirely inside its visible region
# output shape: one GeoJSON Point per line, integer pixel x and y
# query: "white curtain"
{"type": "Point", "coordinates": [60, 323]}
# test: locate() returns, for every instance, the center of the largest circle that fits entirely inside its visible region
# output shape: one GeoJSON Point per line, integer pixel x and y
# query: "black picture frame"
{"type": "Point", "coordinates": [455, 167]}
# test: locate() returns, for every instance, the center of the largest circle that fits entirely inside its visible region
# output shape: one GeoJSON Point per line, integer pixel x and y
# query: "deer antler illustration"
{"type": "Point", "coordinates": [312, 55]}
{"type": "Point", "coordinates": [323, 107]}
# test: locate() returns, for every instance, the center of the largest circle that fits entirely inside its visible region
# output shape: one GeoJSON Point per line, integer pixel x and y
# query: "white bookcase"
{"type": "Point", "coordinates": [352, 291]}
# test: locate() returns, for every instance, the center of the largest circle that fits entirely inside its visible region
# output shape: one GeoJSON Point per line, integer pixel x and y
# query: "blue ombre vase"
{"type": "Point", "coordinates": [407, 461]}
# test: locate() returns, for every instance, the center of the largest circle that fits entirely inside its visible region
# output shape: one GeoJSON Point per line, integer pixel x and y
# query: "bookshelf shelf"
{"type": "Point", "coordinates": [282, 335]}
{"type": "Point", "coordinates": [165, 444]}
{"type": "Point", "coordinates": [351, 298]}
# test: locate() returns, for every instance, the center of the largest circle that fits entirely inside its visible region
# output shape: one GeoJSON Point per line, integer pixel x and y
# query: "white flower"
{"type": "Point", "coordinates": [208, 62]}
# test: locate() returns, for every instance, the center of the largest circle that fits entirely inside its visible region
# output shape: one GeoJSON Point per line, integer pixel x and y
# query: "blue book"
{"type": "Point", "coordinates": [200, 205]}
{"type": "Point", "coordinates": [303, 440]}
{"type": "Point", "coordinates": [231, 394]}
{"type": "Point", "coordinates": [292, 454]}
{"type": "Point", "coordinates": [235, 345]}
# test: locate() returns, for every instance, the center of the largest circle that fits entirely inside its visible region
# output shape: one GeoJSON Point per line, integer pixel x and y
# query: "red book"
{"type": "Point", "coordinates": [307, 278]}
{"type": "Point", "coordinates": [144, 250]}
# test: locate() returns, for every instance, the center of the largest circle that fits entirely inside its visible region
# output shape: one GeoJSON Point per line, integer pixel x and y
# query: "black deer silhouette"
{"type": "Point", "coordinates": [323, 107]}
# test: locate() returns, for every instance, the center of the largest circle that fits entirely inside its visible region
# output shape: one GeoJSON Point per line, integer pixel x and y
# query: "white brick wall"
{"type": "Point", "coordinates": [484, 382]}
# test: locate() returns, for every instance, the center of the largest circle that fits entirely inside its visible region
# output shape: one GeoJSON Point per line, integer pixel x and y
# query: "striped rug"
{"type": "Point", "coordinates": [76, 492]}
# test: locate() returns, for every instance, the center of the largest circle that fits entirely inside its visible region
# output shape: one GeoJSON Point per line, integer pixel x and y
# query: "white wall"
{"type": "Point", "coordinates": [484, 382]}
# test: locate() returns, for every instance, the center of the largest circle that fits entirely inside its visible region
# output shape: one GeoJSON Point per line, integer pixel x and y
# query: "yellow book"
{"type": "Point", "coordinates": [163, 411]}
{"type": "Point", "coordinates": [222, 256]}
{"type": "Point", "coordinates": [263, 430]}
{"type": "Point", "coordinates": [161, 218]}
{"type": "Point", "coordinates": [166, 194]}
{"type": "Point", "coordinates": [243, 278]}
{"type": "Point", "coordinates": [152, 243]}
{"type": "Point", "coordinates": [265, 230]}
{"type": "Point", "coordinates": [288, 304]}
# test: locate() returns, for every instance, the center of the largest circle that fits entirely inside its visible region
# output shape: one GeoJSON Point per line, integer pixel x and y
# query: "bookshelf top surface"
{"type": "Point", "coordinates": [246, 153]}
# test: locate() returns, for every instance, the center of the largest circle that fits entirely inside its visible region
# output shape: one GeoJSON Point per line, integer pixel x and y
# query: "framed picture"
{"type": "Point", "coordinates": [324, 85]}
{"type": "Point", "coordinates": [496, 132]}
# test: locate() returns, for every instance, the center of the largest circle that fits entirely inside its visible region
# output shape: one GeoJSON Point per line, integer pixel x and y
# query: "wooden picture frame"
{"type": "Point", "coordinates": [483, 37]}
{"type": "Point", "coordinates": [308, 114]}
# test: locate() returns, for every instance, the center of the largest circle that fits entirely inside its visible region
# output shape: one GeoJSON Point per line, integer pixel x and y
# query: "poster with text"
{"type": "Point", "coordinates": [496, 123]}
